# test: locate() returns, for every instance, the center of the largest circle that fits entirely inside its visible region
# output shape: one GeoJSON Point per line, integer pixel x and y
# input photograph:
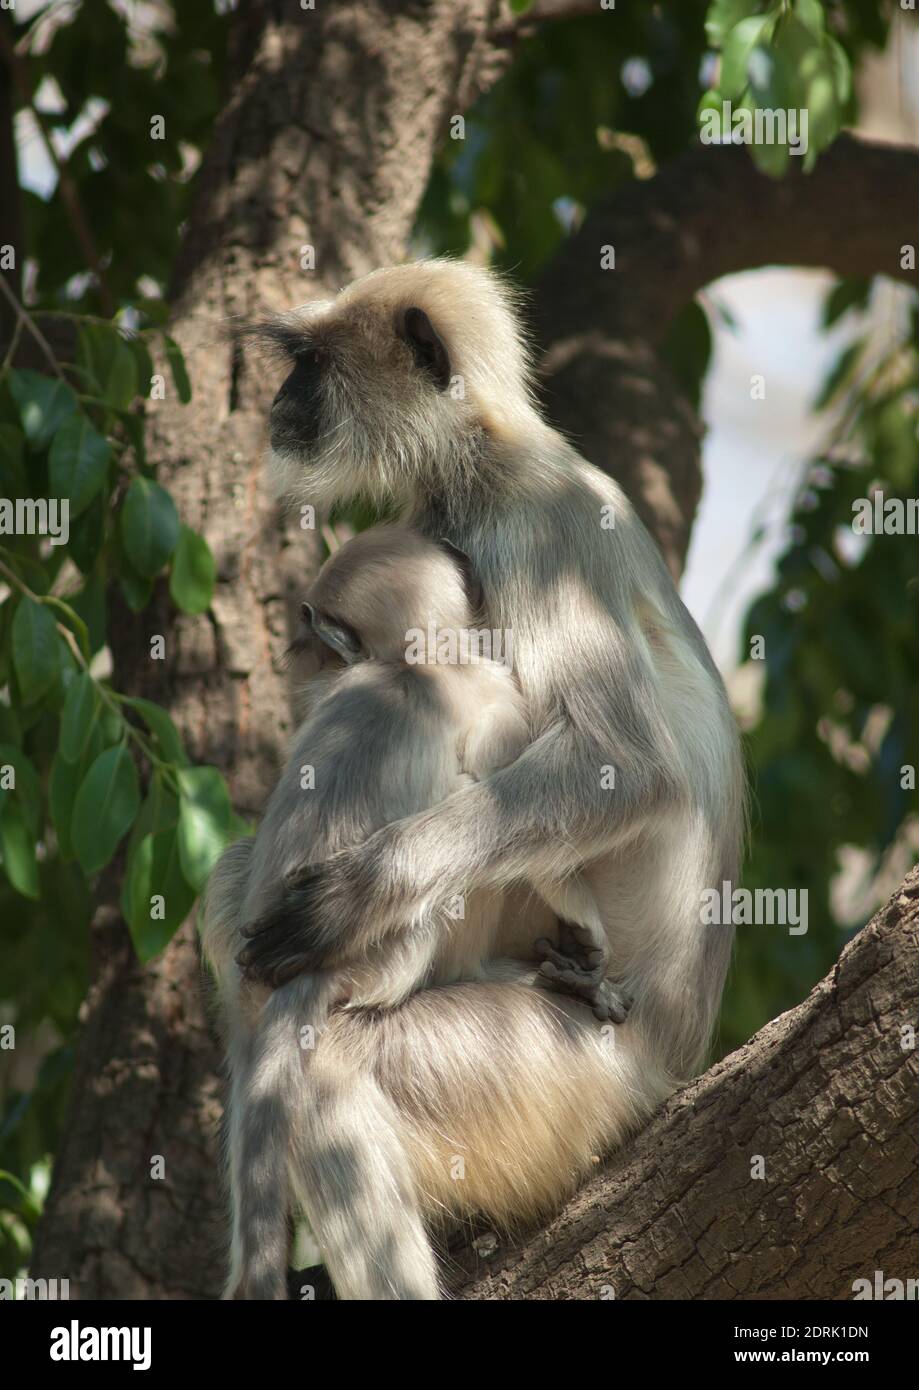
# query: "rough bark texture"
{"type": "Point", "coordinates": [787, 1171]}
{"type": "Point", "coordinates": [326, 141]}
{"type": "Point", "coordinates": [707, 214]}
{"type": "Point", "coordinates": [291, 164]}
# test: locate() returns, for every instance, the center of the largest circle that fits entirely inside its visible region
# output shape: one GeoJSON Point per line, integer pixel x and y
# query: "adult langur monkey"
{"type": "Point", "coordinates": [412, 386]}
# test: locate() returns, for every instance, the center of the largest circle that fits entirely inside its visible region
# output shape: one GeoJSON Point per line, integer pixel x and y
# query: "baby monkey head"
{"type": "Point", "coordinates": [398, 386]}
{"type": "Point", "coordinates": [382, 585]}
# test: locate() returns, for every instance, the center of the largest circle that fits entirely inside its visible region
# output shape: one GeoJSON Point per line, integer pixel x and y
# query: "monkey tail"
{"type": "Point", "coordinates": [271, 1097]}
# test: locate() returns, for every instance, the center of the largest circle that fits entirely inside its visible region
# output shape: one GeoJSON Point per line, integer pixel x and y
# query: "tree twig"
{"type": "Point", "coordinates": [66, 184]}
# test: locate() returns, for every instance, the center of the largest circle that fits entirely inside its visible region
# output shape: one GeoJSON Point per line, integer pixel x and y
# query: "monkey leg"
{"type": "Point", "coordinates": [240, 1004]}
{"type": "Point", "coordinates": [352, 1175]}
{"type": "Point", "coordinates": [577, 966]}
{"type": "Point", "coordinates": [505, 1093]}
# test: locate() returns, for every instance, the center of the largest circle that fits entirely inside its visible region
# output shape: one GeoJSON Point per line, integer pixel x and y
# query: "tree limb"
{"type": "Point", "coordinates": [827, 1095]}
{"type": "Point", "coordinates": [705, 215]}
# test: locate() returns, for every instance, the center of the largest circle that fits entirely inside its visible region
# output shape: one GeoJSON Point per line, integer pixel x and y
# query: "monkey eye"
{"type": "Point", "coordinates": [311, 357]}
{"type": "Point", "coordinates": [339, 637]}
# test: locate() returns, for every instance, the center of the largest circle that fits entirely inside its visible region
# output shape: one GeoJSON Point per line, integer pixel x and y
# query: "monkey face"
{"type": "Point", "coordinates": [378, 587]}
{"type": "Point", "coordinates": [296, 409]}
{"type": "Point", "coordinates": [397, 384]}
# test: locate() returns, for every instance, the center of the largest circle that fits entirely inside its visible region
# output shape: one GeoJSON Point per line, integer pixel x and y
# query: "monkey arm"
{"type": "Point", "coordinates": [541, 816]}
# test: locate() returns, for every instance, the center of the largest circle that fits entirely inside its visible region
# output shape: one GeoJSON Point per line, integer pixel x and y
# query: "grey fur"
{"type": "Point", "coordinates": [384, 739]}
{"type": "Point", "coordinates": [524, 1086]}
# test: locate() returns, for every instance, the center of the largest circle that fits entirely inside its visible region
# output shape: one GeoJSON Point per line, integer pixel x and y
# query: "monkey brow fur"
{"type": "Point", "coordinates": [283, 336]}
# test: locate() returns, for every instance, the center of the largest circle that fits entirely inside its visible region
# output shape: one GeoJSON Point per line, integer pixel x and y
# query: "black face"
{"type": "Point", "coordinates": [295, 411]}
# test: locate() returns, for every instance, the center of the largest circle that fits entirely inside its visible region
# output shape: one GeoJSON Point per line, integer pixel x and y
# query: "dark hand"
{"type": "Point", "coordinates": [321, 909]}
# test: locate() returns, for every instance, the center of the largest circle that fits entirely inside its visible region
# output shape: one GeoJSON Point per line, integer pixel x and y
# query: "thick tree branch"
{"type": "Point", "coordinates": [826, 1096]}
{"type": "Point", "coordinates": [708, 214]}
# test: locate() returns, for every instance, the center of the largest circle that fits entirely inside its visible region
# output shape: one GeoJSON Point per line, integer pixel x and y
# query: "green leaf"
{"type": "Point", "coordinates": [143, 363]}
{"type": "Point", "coordinates": [133, 426]}
{"type": "Point", "coordinates": [89, 604]}
{"type": "Point", "coordinates": [26, 784]}
{"type": "Point", "coordinates": [17, 847]}
{"type": "Point", "coordinates": [105, 808]}
{"type": "Point", "coordinates": [9, 725]}
{"type": "Point", "coordinates": [121, 387]}
{"type": "Point", "coordinates": [86, 535]}
{"type": "Point", "coordinates": [687, 347]}
{"type": "Point", "coordinates": [77, 462]}
{"type": "Point", "coordinates": [204, 821]}
{"type": "Point", "coordinates": [149, 527]}
{"type": "Point", "coordinates": [109, 360]}
{"type": "Point", "coordinates": [723, 15]}
{"type": "Point", "coordinates": [191, 581]}
{"type": "Point", "coordinates": [740, 43]}
{"type": "Point", "coordinates": [840, 373]}
{"type": "Point", "coordinates": [64, 783]}
{"type": "Point", "coordinates": [137, 590]}
{"type": "Point", "coordinates": [160, 811]}
{"type": "Point", "coordinates": [852, 292]}
{"type": "Point", "coordinates": [36, 650]}
{"type": "Point", "coordinates": [162, 727]}
{"type": "Point", "coordinates": [840, 67]}
{"type": "Point", "coordinates": [13, 482]}
{"type": "Point", "coordinates": [810, 13]}
{"type": "Point", "coordinates": [44, 404]}
{"type": "Point", "coordinates": [78, 717]}
{"type": "Point", "coordinates": [178, 369]}
{"type": "Point", "coordinates": [155, 898]}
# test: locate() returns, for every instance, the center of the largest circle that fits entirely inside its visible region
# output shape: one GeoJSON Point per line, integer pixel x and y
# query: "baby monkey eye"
{"type": "Point", "coordinates": [311, 357]}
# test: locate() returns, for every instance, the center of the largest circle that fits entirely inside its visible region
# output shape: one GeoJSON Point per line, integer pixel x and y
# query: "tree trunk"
{"type": "Point", "coordinates": [326, 142]}
{"type": "Point", "coordinates": [292, 164]}
{"type": "Point", "coordinates": [787, 1171]}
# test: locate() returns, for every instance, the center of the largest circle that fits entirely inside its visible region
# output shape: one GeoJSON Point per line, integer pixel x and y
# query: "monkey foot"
{"type": "Point", "coordinates": [582, 974]}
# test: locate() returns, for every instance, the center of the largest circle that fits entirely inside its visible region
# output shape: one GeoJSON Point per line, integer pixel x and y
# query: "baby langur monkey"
{"type": "Point", "coordinates": [385, 738]}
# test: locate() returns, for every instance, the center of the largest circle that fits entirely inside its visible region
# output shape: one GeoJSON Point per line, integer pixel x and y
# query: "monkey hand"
{"type": "Point", "coordinates": [323, 911]}
{"type": "Point", "coordinates": [572, 969]}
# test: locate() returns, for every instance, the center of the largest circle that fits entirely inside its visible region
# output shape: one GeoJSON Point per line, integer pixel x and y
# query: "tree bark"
{"type": "Point", "coordinates": [787, 1171]}
{"type": "Point", "coordinates": [705, 215]}
{"type": "Point", "coordinates": [326, 142]}
{"type": "Point", "coordinates": [292, 164]}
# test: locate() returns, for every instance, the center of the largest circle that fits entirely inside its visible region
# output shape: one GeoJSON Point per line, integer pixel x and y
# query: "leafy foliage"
{"type": "Point", "coordinates": [835, 751]}
{"type": "Point", "coordinates": [780, 57]}
{"type": "Point", "coordinates": [588, 100]}
{"type": "Point", "coordinates": [114, 73]}
{"type": "Point", "coordinates": [86, 771]}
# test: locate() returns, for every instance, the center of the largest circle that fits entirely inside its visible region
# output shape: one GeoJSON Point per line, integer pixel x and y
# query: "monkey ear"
{"type": "Point", "coordinates": [474, 591]}
{"type": "Point", "coordinates": [427, 347]}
